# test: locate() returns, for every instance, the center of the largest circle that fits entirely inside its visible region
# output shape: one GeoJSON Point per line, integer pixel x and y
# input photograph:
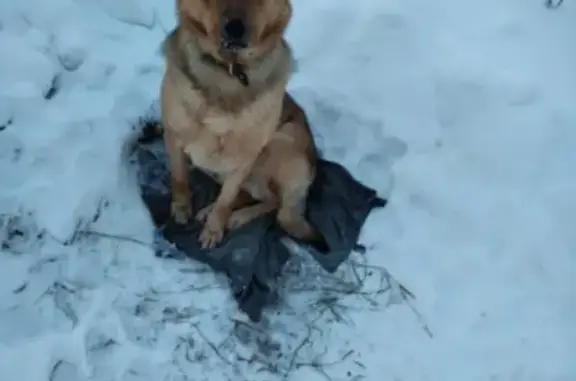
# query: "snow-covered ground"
{"type": "Point", "coordinates": [462, 112]}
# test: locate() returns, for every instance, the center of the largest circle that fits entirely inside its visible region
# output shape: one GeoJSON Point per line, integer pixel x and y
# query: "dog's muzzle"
{"type": "Point", "coordinates": [234, 34]}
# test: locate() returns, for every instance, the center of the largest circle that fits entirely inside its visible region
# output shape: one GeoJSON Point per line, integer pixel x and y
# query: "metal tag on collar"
{"type": "Point", "coordinates": [235, 70]}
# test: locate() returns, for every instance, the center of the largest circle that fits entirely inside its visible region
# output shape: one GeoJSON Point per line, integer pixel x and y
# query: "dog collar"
{"type": "Point", "coordinates": [233, 69]}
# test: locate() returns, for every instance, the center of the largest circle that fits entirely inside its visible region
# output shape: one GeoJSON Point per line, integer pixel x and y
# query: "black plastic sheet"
{"type": "Point", "coordinates": [253, 255]}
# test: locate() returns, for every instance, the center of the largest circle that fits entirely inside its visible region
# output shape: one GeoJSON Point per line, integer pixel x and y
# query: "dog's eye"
{"type": "Point", "coordinates": [197, 24]}
{"type": "Point", "coordinates": [271, 29]}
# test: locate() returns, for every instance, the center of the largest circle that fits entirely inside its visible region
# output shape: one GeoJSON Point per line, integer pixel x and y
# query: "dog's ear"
{"type": "Point", "coordinates": [272, 19]}
{"type": "Point", "coordinates": [197, 16]}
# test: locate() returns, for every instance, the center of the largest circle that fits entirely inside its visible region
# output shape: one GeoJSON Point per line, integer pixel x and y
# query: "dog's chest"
{"type": "Point", "coordinates": [222, 143]}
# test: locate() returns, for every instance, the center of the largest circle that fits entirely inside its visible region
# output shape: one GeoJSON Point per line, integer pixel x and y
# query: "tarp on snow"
{"type": "Point", "coordinates": [253, 255]}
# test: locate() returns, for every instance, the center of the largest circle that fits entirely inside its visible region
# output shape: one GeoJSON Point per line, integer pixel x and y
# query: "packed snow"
{"type": "Point", "coordinates": [463, 113]}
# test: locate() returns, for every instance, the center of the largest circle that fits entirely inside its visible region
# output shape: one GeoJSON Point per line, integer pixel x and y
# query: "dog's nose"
{"type": "Point", "coordinates": [234, 30]}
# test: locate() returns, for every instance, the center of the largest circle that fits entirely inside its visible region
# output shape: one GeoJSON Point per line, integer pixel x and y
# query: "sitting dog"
{"type": "Point", "coordinates": [225, 107]}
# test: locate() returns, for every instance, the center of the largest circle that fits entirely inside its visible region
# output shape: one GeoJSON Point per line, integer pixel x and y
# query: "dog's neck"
{"type": "Point", "coordinates": [201, 67]}
{"type": "Point", "coordinates": [234, 69]}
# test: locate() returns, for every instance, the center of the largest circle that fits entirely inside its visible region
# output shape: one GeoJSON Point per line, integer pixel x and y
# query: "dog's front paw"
{"type": "Point", "coordinates": [180, 212]}
{"type": "Point", "coordinates": [213, 230]}
{"type": "Point", "coordinates": [204, 212]}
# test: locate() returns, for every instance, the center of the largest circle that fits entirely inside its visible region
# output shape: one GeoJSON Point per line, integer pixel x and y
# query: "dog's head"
{"type": "Point", "coordinates": [244, 29]}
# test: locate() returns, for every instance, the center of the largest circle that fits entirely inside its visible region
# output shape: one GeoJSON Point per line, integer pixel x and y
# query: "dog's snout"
{"type": "Point", "coordinates": [234, 29]}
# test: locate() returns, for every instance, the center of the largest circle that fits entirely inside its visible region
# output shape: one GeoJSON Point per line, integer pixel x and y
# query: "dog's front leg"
{"type": "Point", "coordinates": [217, 218]}
{"type": "Point", "coordinates": [181, 207]}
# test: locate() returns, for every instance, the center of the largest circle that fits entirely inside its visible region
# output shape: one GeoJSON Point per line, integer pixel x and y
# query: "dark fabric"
{"type": "Point", "coordinates": [253, 255]}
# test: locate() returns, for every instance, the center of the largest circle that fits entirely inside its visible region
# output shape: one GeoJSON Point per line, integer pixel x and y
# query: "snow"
{"type": "Point", "coordinates": [461, 112]}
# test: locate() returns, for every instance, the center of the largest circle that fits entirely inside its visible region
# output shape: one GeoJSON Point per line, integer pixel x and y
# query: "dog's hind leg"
{"type": "Point", "coordinates": [242, 200]}
{"type": "Point", "coordinates": [297, 178]}
{"type": "Point", "coordinates": [243, 216]}
{"type": "Point", "coordinates": [291, 217]}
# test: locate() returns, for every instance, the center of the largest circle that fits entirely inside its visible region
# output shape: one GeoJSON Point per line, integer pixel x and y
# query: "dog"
{"type": "Point", "coordinates": [225, 107]}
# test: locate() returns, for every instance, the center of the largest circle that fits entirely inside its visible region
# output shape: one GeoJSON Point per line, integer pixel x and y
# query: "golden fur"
{"type": "Point", "coordinates": [227, 110]}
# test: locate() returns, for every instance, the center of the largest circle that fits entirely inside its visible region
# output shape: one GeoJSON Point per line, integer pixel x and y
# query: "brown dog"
{"type": "Point", "coordinates": [225, 106]}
